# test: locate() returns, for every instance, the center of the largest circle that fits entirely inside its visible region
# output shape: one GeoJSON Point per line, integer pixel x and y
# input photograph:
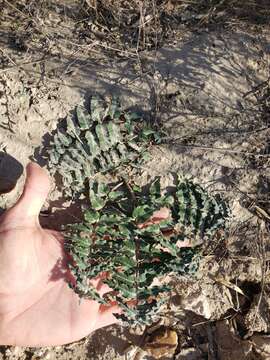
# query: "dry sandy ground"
{"type": "Point", "coordinates": [208, 91]}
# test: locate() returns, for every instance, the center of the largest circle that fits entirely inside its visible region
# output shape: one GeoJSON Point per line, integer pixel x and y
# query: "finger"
{"type": "Point", "coordinates": [99, 285]}
{"type": "Point", "coordinates": [36, 188]}
{"type": "Point", "coordinates": [35, 191]}
{"type": "Point", "coordinates": [159, 215]}
{"type": "Point", "coordinates": [106, 315]}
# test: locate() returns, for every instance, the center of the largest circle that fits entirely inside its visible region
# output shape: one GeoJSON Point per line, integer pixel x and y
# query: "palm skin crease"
{"type": "Point", "coordinates": [37, 307]}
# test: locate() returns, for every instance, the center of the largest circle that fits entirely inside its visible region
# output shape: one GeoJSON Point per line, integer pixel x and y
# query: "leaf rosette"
{"type": "Point", "coordinates": [120, 236]}
{"type": "Point", "coordinates": [98, 140]}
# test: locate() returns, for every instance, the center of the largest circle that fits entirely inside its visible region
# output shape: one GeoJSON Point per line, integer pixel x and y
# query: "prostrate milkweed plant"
{"type": "Point", "coordinates": [113, 239]}
{"type": "Point", "coordinates": [97, 140]}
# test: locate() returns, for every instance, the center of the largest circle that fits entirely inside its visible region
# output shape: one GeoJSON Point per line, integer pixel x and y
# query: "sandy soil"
{"type": "Point", "coordinates": [210, 93]}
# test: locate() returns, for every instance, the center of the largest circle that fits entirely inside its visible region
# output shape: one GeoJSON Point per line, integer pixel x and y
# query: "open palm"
{"type": "Point", "coordinates": [37, 307]}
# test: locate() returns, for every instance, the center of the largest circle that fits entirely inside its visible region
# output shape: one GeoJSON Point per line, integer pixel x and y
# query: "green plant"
{"type": "Point", "coordinates": [113, 239]}
{"type": "Point", "coordinates": [94, 141]}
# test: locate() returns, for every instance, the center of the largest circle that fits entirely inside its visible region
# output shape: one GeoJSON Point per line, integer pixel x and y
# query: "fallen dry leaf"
{"type": "Point", "coordinates": [229, 285]}
{"type": "Point", "coordinates": [162, 342]}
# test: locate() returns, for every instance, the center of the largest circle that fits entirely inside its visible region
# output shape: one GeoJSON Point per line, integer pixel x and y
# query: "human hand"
{"type": "Point", "coordinates": [37, 307]}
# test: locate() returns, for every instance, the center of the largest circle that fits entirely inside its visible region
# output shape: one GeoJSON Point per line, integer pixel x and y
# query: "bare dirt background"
{"type": "Point", "coordinates": [200, 71]}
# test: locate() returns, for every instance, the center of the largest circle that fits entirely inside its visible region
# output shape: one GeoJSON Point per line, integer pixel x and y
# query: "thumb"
{"type": "Point", "coordinates": [27, 208]}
